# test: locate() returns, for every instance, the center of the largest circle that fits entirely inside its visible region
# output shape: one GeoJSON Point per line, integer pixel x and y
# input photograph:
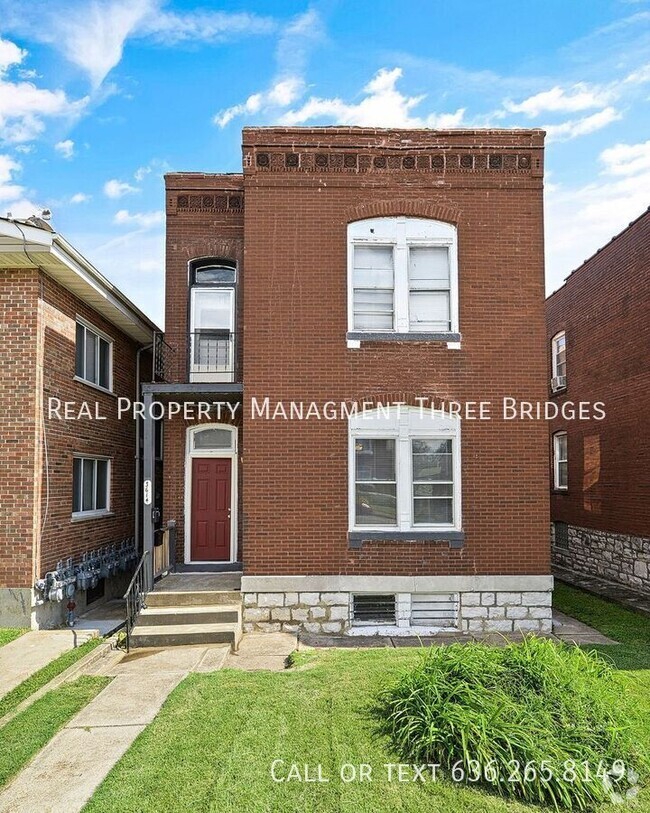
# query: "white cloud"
{"type": "Point", "coordinates": [23, 105]}
{"type": "Point", "coordinates": [383, 105]}
{"type": "Point", "coordinates": [578, 97]}
{"type": "Point", "coordinates": [282, 94]}
{"type": "Point", "coordinates": [13, 196]}
{"type": "Point", "coordinates": [583, 126]}
{"type": "Point", "coordinates": [582, 219]}
{"type": "Point", "coordinates": [80, 197]}
{"type": "Point", "coordinates": [170, 28]}
{"type": "Point", "coordinates": [10, 54]}
{"type": "Point", "coordinates": [627, 159]}
{"type": "Point", "coordinates": [144, 220]}
{"type": "Point", "coordinates": [91, 34]}
{"type": "Point", "coordinates": [65, 148]}
{"type": "Point", "coordinates": [116, 189]}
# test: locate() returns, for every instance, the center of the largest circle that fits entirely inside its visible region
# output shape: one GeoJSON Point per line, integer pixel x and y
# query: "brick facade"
{"type": "Point", "coordinates": [290, 210]}
{"type": "Point", "coordinates": [603, 307]}
{"type": "Point", "coordinates": [37, 330]}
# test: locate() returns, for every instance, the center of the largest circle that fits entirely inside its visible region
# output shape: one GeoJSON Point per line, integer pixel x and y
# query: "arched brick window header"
{"type": "Point", "coordinates": [404, 208]}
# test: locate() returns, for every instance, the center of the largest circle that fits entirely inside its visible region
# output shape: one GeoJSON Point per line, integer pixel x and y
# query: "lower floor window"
{"type": "Point", "coordinates": [405, 471]}
{"type": "Point", "coordinates": [560, 461]}
{"type": "Point", "coordinates": [90, 485]}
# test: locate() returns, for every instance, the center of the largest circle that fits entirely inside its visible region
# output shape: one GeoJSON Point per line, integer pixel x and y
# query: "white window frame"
{"type": "Point", "coordinates": [215, 372]}
{"type": "Point", "coordinates": [554, 353]}
{"type": "Point", "coordinates": [405, 424]}
{"type": "Point", "coordinates": [94, 512]}
{"type": "Point", "coordinates": [400, 233]}
{"type": "Point", "coordinates": [99, 334]}
{"type": "Point", "coordinates": [557, 460]}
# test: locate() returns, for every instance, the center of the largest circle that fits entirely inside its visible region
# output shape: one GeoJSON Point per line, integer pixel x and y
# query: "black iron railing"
{"type": "Point", "coordinates": [136, 594]}
{"type": "Point", "coordinates": [205, 355]}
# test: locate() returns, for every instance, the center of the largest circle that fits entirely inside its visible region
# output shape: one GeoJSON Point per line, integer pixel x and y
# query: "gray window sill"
{"type": "Point", "coordinates": [391, 336]}
{"type": "Point", "coordinates": [455, 539]}
{"type": "Point", "coordinates": [84, 516]}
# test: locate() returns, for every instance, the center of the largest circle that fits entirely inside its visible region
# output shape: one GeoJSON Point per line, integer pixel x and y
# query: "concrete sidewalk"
{"type": "Point", "coordinates": [66, 772]}
{"type": "Point", "coordinates": [32, 651]}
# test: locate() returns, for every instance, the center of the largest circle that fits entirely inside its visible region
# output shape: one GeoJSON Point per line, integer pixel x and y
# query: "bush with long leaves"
{"type": "Point", "coordinates": [536, 721]}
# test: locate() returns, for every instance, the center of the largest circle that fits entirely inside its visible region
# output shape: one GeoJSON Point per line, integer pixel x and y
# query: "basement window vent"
{"type": "Point", "coordinates": [373, 609]}
{"type": "Point", "coordinates": [561, 534]}
{"type": "Point", "coordinates": [434, 609]}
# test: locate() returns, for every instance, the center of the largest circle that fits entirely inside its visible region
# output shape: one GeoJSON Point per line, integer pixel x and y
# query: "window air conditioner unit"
{"type": "Point", "coordinates": [558, 383]}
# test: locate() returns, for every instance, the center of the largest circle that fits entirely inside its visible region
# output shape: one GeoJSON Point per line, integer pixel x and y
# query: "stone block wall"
{"type": "Point", "coordinates": [482, 612]}
{"type": "Point", "coordinates": [619, 558]}
{"type": "Point", "coordinates": [330, 613]}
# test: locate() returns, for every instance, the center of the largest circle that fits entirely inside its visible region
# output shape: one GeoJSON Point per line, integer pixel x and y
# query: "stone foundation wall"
{"type": "Point", "coordinates": [330, 613]}
{"type": "Point", "coordinates": [506, 612]}
{"type": "Point", "coordinates": [616, 557]}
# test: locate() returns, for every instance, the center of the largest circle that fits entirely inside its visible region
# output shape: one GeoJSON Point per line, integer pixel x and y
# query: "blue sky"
{"type": "Point", "coordinates": [99, 98]}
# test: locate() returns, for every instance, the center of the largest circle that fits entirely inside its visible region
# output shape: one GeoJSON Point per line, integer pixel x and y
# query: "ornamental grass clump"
{"type": "Point", "coordinates": [535, 721]}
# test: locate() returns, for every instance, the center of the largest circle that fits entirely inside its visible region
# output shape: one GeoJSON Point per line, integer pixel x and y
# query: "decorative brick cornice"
{"type": "Point", "coordinates": [224, 201]}
{"type": "Point", "coordinates": [414, 207]}
{"type": "Point", "coordinates": [472, 160]}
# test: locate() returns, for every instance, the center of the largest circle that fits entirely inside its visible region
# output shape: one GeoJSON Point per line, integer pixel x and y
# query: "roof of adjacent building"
{"type": "Point", "coordinates": [33, 243]}
{"type": "Point", "coordinates": [599, 251]}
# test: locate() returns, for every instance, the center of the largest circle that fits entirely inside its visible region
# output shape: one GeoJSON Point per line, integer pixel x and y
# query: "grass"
{"type": "Point", "coordinates": [211, 747]}
{"type": "Point", "coordinates": [32, 684]}
{"type": "Point", "coordinates": [30, 730]}
{"type": "Point", "coordinates": [9, 635]}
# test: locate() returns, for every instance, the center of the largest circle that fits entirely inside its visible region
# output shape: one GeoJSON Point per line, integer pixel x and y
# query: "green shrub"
{"type": "Point", "coordinates": [537, 721]}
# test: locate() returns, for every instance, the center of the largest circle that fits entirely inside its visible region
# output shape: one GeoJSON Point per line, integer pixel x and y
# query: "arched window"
{"type": "Point", "coordinates": [404, 465]}
{"type": "Point", "coordinates": [212, 319]}
{"type": "Point", "coordinates": [213, 438]}
{"type": "Point", "coordinates": [403, 277]}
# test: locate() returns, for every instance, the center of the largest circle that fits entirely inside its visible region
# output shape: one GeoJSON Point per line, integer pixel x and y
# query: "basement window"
{"type": "Point", "coordinates": [373, 609]}
{"type": "Point", "coordinates": [434, 609]}
{"type": "Point", "coordinates": [93, 357]}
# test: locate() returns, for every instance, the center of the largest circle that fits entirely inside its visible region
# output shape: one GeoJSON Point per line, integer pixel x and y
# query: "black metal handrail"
{"type": "Point", "coordinates": [206, 352]}
{"type": "Point", "coordinates": [136, 595]}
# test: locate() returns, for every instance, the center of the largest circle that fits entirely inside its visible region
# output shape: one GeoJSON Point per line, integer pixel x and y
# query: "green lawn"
{"type": "Point", "coordinates": [30, 730]}
{"type": "Point", "coordinates": [8, 635]}
{"type": "Point", "coordinates": [15, 697]}
{"type": "Point", "coordinates": [211, 747]}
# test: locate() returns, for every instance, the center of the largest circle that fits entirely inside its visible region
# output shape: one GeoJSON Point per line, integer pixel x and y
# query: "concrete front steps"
{"type": "Point", "coordinates": [177, 618]}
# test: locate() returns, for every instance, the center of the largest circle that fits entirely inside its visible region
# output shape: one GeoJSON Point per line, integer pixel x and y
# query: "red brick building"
{"type": "Point", "coordinates": [598, 335]}
{"type": "Point", "coordinates": [67, 474]}
{"type": "Point", "coordinates": [394, 270]}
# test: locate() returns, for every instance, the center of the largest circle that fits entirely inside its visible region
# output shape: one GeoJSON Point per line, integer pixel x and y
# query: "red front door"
{"type": "Point", "coordinates": [210, 510]}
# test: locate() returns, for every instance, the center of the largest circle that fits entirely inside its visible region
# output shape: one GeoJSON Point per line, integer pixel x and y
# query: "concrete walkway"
{"type": "Point", "coordinates": [65, 774]}
{"type": "Point", "coordinates": [32, 651]}
{"type": "Point", "coordinates": [612, 591]}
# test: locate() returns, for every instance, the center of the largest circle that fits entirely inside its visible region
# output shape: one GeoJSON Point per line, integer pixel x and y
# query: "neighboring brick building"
{"type": "Point", "coordinates": [598, 326]}
{"type": "Point", "coordinates": [67, 483]}
{"type": "Point", "coordinates": [351, 265]}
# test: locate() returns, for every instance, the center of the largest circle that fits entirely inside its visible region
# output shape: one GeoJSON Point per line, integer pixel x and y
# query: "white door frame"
{"type": "Point", "coordinates": [190, 454]}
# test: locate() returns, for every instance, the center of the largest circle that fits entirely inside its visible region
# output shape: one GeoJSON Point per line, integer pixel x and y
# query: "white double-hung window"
{"type": "Point", "coordinates": [403, 276]}
{"type": "Point", "coordinates": [404, 466]}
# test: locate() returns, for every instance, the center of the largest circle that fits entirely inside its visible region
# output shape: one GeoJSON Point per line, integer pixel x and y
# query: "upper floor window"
{"type": "Point", "coordinates": [403, 276]}
{"type": "Point", "coordinates": [560, 461]}
{"type": "Point", "coordinates": [212, 320]}
{"type": "Point", "coordinates": [207, 272]}
{"type": "Point", "coordinates": [558, 355]}
{"type": "Point", "coordinates": [94, 356]}
{"type": "Point", "coordinates": [404, 471]}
